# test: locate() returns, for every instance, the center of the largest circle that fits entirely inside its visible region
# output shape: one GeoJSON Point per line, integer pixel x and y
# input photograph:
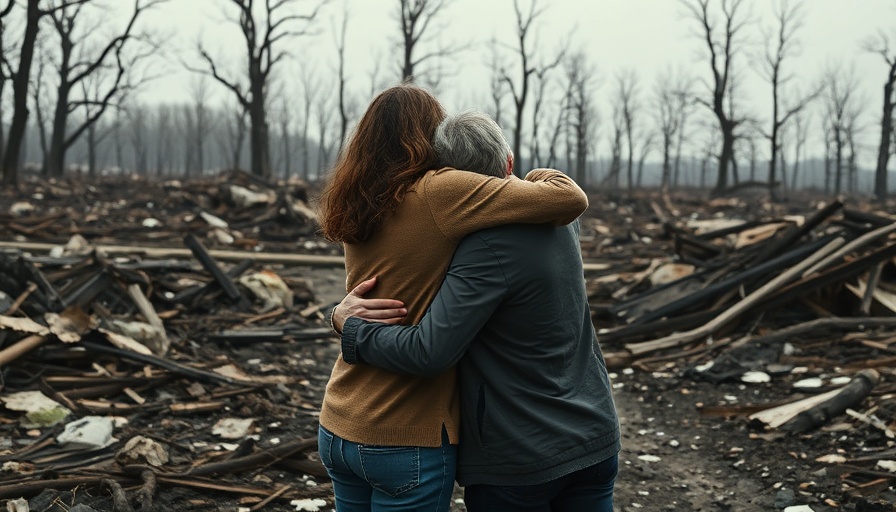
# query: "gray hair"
{"type": "Point", "coordinates": [472, 141]}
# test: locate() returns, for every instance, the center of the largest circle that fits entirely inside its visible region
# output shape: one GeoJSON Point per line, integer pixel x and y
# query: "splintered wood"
{"type": "Point", "coordinates": [164, 336]}
{"type": "Point", "coordinates": [798, 307]}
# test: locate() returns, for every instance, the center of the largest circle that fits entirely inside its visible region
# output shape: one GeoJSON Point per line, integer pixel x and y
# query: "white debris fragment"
{"type": "Point", "coordinates": [232, 428]}
{"type": "Point", "coordinates": [799, 508]}
{"type": "Point", "coordinates": [649, 458]}
{"type": "Point", "coordinates": [755, 377]}
{"type": "Point", "coordinates": [213, 221]}
{"type": "Point", "coordinates": [887, 465]}
{"type": "Point", "coordinates": [151, 223]}
{"type": "Point", "coordinates": [88, 433]}
{"type": "Point", "coordinates": [40, 411]}
{"type": "Point", "coordinates": [832, 459]}
{"type": "Point", "coordinates": [810, 383]}
{"type": "Point", "coordinates": [17, 505]}
{"type": "Point", "coordinates": [703, 367]}
{"type": "Point", "coordinates": [311, 505]}
{"type": "Point", "coordinates": [21, 208]}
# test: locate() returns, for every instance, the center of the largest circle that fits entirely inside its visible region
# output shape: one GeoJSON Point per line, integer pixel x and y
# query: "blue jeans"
{"type": "Point", "coordinates": [370, 478]}
{"type": "Point", "coordinates": [586, 490]}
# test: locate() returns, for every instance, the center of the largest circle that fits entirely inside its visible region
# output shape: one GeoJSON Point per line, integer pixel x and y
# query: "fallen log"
{"type": "Point", "coordinates": [847, 397]}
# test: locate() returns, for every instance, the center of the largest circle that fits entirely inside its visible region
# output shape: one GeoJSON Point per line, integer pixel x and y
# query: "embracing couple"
{"type": "Point", "coordinates": [468, 351]}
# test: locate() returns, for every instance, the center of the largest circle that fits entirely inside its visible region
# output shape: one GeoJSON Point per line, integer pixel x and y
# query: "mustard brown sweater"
{"type": "Point", "coordinates": [410, 255]}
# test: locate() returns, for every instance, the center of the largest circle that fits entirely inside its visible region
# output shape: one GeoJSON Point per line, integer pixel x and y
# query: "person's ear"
{"type": "Point", "coordinates": [509, 164]}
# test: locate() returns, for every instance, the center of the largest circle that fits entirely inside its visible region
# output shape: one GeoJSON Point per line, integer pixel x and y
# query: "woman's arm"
{"type": "Point", "coordinates": [462, 202]}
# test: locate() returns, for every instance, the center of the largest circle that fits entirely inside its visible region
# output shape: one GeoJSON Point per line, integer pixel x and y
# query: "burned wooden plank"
{"type": "Point", "coordinates": [834, 275]}
{"type": "Point", "coordinates": [210, 265]}
{"type": "Point", "coordinates": [195, 292]}
{"type": "Point", "coordinates": [797, 232]}
{"type": "Point", "coordinates": [766, 268]}
{"type": "Point", "coordinates": [737, 309]}
{"type": "Point", "coordinates": [186, 371]}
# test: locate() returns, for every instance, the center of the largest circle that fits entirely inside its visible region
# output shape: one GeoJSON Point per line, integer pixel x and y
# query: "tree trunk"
{"type": "Point", "coordinates": [91, 150]}
{"type": "Point", "coordinates": [726, 156]}
{"type": "Point", "coordinates": [258, 136]}
{"type": "Point", "coordinates": [20, 84]}
{"type": "Point", "coordinates": [886, 133]}
{"type": "Point", "coordinates": [56, 155]}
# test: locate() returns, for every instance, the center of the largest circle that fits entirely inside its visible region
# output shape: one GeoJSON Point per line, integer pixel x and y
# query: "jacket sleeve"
{"type": "Point", "coordinates": [472, 289]}
{"type": "Point", "coordinates": [462, 202]}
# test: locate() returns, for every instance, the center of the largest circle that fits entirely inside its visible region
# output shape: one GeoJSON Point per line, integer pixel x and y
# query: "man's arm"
{"type": "Point", "coordinates": [473, 287]}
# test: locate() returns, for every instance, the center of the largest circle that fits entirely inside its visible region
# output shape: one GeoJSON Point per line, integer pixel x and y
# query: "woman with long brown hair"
{"type": "Point", "coordinates": [387, 440]}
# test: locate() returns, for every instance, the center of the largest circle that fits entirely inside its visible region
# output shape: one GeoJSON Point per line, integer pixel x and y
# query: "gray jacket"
{"type": "Point", "coordinates": [536, 402]}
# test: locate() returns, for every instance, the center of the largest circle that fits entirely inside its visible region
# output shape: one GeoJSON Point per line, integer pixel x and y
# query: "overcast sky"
{"type": "Point", "coordinates": [643, 35]}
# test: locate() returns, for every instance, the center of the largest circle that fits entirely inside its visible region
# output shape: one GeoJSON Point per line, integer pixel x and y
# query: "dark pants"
{"type": "Point", "coordinates": [586, 490]}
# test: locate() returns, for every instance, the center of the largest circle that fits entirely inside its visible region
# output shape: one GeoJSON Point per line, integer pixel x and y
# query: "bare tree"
{"type": "Point", "coordinates": [671, 99]}
{"type": "Point", "coordinates": [164, 132]}
{"type": "Point", "coordinates": [310, 93]}
{"type": "Point", "coordinates": [881, 46]}
{"type": "Point", "coordinates": [613, 177]}
{"type": "Point", "coordinates": [801, 135]}
{"type": "Point", "coordinates": [415, 18]}
{"type": "Point", "coordinates": [262, 35]}
{"type": "Point", "coordinates": [581, 113]}
{"type": "Point", "coordinates": [780, 44]}
{"type": "Point", "coordinates": [520, 90]}
{"type": "Point", "coordinates": [324, 120]}
{"type": "Point", "coordinates": [627, 92]}
{"type": "Point", "coordinates": [541, 86]}
{"type": "Point", "coordinates": [138, 124]}
{"type": "Point", "coordinates": [840, 104]}
{"type": "Point", "coordinates": [723, 42]}
{"type": "Point", "coordinates": [76, 64]}
{"type": "Point", "coordinates": [340, 36]}
{"type": "Point", "coordinates": [684, 106]}
{"type": "Point", "coordinates": [497, 86]}
{"type": "Point", "coordinates": [201, 122]}
{"type": "Point", "coordinates": [648, 144]}
{"type": "Point", "coordinates": [284, 121]}
{"type": "Point", "coordinates": [21, 81]}
{"type": "Point", "coordinates": [5, 69]}
{"type": "Point", "coordinates": [375, 75]}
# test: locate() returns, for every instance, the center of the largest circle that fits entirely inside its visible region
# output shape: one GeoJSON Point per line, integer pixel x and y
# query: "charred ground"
{"type": "Point", "coordinates": [687, 442]}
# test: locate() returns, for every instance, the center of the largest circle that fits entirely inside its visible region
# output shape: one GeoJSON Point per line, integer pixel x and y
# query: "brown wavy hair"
{"type": "Point", "coordinates": [389, 150]}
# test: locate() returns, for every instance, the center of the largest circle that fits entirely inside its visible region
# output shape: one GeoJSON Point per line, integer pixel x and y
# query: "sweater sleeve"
{"type": "Point", "coordinates": [462, 202]}
{"type": "Point", "coordinates": [473, 288]}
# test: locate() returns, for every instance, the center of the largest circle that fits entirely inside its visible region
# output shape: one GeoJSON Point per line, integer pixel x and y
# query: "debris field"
{"type": "Point", "coordinates": [163, 346]}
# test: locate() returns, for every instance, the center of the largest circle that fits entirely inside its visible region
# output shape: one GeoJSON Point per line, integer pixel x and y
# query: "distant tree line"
{"type": "Point", "coordinates": [70, 97]}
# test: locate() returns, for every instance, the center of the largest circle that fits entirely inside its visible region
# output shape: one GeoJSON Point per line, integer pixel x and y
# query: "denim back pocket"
{"type": "Point", "coordinates": [325, 447]}
{"type": "Point", "coordinates": [391, 469]}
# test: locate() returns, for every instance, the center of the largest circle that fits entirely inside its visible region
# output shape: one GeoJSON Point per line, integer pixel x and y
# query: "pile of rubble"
{"type": "Point", "coordinates": [136, 360]}
{"type": "Point", "coordinates": [799, 305]}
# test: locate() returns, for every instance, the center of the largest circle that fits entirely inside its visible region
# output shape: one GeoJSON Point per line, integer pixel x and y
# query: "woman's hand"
{"type": "Point", "coordinates": [387, 311]}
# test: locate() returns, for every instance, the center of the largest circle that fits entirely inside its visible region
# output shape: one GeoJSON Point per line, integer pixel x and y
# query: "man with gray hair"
{"type": "Point", "coordinates": [539, 430]}
{"type": "Point", "coordinates": [473, 141]}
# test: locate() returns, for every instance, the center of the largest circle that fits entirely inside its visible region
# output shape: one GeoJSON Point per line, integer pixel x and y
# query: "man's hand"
{"type": "Point", "coordinates": [387, 311]}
